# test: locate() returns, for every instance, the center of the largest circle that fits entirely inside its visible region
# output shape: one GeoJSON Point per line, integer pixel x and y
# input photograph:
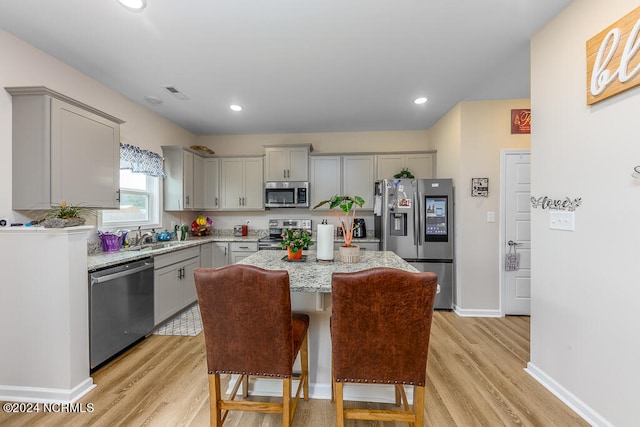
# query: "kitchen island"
{"type": "Point", "coordinates": [312, 275]}
{"type": "Point", "coordinates": [310, 283]}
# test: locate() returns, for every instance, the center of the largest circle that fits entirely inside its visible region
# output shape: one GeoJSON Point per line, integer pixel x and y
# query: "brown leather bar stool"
{"type": "Point", "coordinates": [380, 326]}
{"type": "Point", "coordinates": [249, 330]}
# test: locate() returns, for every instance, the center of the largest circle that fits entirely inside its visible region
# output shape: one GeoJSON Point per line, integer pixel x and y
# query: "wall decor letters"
{"type": "Point", "coordinates": [565, 204]}
{"type": "Point", "coordinates": [613, 61]}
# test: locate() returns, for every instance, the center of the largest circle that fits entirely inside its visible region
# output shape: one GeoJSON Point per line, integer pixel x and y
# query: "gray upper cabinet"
{"type": "Point", "coordinates": [326, 179]}
{"type": "Point", "coordinates": [241, 186]}
{"type": "Point", "coordinates": [358, 178]}
{"type": "Point", "coordinates": [351, 175]}
{"type": "Point", "coordinates": [63, 150]}
{"type": "Point", "coordinates": [286, 162]}
{"type": "Point", "coordinates": [211, 184]}
{"type": "Point", "coordinates": [184, 179]}
{"type": "Point", "coordinates": [421, 165]}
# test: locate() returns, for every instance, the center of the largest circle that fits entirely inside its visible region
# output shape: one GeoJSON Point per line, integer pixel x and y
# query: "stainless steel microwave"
{"type": "Point", "coordinates": [286, 194]}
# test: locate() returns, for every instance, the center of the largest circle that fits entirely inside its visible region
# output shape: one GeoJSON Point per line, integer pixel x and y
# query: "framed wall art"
{"type": "Point", "coordinates": [521, 121]}
{"type": "Point", "coordinates": [479, 187]}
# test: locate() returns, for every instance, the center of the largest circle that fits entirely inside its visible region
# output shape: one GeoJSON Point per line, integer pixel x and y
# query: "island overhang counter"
{"type": "Point", "coordinates": [310, 283]}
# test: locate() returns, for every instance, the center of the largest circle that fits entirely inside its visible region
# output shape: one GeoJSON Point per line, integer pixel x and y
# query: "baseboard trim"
{"type": "Point", "coordinates": [463, 312]}
{"type": "Point", "coordinates": [45, 395]}
{"type": "Point", "coordinates": [573, 402]}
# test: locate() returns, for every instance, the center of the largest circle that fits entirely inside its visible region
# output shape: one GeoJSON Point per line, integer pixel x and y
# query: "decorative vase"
{"type": "Point", "coordinates": [294, 255]}
{"type": "Point", "coordinates": [349, 254]}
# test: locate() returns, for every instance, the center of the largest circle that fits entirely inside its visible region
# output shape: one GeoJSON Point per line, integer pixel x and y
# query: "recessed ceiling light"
{"type": "Point", "coordinates": [420, 100]}
{"type": "Point", "coordinates": [235, 107]}
{"type": "Point", "coordinates": [134, 5]}
{"type": "Point", "coordinates": [153, 100]}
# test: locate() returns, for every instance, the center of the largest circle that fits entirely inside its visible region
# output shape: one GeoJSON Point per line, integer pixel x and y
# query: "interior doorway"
{"type": "Point", "coordinates": [515, 235]}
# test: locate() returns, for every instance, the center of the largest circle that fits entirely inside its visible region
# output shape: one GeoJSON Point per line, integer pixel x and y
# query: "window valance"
{"type": "Point", "coordinates": [140, 161]}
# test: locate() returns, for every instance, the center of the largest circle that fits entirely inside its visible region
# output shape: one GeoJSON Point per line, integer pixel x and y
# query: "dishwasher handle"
{"type": "Point", "coordinates": [101, 279]}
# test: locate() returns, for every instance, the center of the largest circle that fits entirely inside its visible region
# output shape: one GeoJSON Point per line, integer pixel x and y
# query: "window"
{"type": "Point", "coordinates": [139, 202]}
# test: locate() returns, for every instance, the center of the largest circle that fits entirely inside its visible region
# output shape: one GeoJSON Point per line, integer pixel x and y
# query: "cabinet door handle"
{"type": "Point", "coordinates": [117, 195]}
{"type": "Point", "coordinates": [187, 203]}
{"type": "Point", "coordinates": [216, 202]}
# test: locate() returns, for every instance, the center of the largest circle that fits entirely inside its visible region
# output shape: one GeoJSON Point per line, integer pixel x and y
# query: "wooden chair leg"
{"type": "Point", "coordinates": [333, 376]}
{"type": "Point", "coordinates": [245, 385]}
{"type": "Point", "coordinates": [286, 402]}
{"type": "Point", "coordinates": [398, 396]}
{"type": "Point", "coordinates": [339, 404]}
{"type": "Point", "coordinates": [418, 405]}
{"type": "Point", "coordinates": [304, 362]}
{"type": "Point", "coordinates": [215, 417]}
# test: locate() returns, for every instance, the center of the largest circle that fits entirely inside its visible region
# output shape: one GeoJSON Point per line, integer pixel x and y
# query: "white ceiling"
{"type": "Point", "coordinates": [295, 65]}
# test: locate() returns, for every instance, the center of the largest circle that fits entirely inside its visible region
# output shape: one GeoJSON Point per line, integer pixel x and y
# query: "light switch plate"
{"type": "Point", "coordinates": [491, 217]}
{"type": "Point", "coordinates": [562, 220]}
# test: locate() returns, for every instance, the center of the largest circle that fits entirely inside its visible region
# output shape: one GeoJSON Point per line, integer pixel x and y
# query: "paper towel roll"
{"type": "Point", "coordinates": [325, 242]}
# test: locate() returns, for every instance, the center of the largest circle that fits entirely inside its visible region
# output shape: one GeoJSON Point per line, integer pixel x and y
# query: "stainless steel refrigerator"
{"type": "Point", "coordinates": [415, 221]}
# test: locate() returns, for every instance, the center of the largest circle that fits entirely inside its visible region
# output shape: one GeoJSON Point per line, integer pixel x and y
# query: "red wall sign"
{"type": "Point", "coordinates": [521, 121]}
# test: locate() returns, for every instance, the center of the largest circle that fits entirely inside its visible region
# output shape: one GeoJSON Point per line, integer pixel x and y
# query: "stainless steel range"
{"type": "Point", "coordinates": [272, 242]}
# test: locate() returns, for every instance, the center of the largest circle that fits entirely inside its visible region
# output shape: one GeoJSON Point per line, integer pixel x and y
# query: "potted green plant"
{"type": "Point", "coordinates": [344, 208]}
{"type": "Point", "coordinates": [65, 216]}
{"type": "Point", "coordinates": [404, 173]}
{"type": "Point", "coordinates": [294, 241]}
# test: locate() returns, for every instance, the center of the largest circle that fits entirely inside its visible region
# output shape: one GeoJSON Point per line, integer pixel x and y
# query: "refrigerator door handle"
{"type": "Point", "coordinates": [420, 219]}
{"type": "Point", "coordinates": [416, 218]}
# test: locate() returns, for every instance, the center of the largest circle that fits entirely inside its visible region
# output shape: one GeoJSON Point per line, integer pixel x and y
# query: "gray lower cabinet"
{"type": "Point", "coordinates": [174, 284]}
{"type": "Point", "coordinates": [214, 255]}
{"type": "Point", "coordinates": [241, 250]}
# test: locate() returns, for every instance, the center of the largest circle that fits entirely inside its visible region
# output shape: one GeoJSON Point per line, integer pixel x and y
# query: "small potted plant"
{"type": "Point", "coordinates": [404, 173]}
{"type": "Point", "coordinates": [345, 209]}
{"type": "Point", "coordinates": [295, 240]}
{"type": "Point", "coordinates": [64, 216]}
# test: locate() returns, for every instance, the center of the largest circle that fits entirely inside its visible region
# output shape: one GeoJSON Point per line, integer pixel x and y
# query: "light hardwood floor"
{"type": "Point", "coordinates": [475, 378]}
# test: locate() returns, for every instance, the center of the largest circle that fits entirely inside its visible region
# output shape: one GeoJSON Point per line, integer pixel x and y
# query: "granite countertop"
{"type": "Point", "coordinates": [100, 260]}
{"type": "Point", "coordinates": [107, 259]}
{"type": "Point", "coordinates": [312, 275]}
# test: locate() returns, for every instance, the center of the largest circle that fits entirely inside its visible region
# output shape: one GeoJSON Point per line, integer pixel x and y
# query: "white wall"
{"type": "Point", "coordinates": [585, 288]}
{"type": "Point", "coordinates": [469, 140]}
{"type": "Point", "coordinates": [24, 65]}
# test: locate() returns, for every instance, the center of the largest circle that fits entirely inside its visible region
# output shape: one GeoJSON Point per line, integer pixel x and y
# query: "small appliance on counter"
{"type": "Point", "coordinates": [360, 230]}
{"type": "Point", "coordinates": [240, 230]}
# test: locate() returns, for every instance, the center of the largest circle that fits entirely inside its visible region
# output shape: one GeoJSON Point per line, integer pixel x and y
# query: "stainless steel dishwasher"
{"type": "Point", "coordinates": [120, 308]}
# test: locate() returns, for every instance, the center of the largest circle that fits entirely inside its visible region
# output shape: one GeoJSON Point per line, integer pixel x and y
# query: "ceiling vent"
{"type": "Point", "coordinates": [175, 92]}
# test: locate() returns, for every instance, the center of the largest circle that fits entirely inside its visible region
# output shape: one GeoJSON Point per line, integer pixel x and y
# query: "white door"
{"type": "Point", "coordinates": [517, 229]}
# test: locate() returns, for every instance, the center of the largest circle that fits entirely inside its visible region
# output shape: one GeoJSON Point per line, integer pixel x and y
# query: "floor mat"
{"type": "Point", "coordinates": [186, 324]}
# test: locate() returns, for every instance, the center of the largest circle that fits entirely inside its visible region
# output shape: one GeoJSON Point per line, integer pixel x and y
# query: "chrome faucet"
{"type": "Point", "coordinates": [144, 238]}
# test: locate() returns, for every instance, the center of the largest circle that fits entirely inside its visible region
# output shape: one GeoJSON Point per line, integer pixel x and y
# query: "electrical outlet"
{"type": "Point", "coordinates": [562, 220]}
{"type": "Point", "coordinates": [491, 217]}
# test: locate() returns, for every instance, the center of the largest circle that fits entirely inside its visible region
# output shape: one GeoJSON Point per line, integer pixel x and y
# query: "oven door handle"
{"type": "Point", "coordinates": [101, 279]}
